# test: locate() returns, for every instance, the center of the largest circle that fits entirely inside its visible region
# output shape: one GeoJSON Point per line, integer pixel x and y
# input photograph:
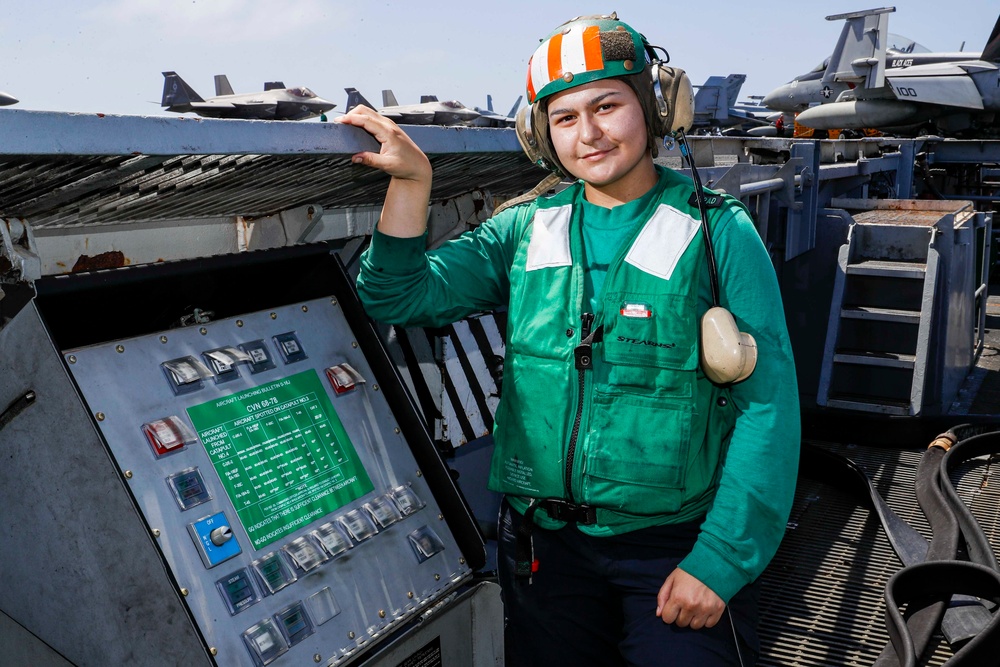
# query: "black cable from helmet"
{"type": "Point", "coordinates": [713, 271]}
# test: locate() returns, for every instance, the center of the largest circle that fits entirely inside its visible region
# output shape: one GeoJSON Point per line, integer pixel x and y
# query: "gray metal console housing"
{"type": "Point", "coordinates": [103, 562]}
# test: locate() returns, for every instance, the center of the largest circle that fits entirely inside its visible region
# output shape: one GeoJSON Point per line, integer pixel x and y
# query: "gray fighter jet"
{"type": "Point", "coordinates": [6, 100]}
{"type": "Point", "coordinates": [430, 111]}
{"type": "Point", "coordinates": [810, 88]}
{"type": "Point", "coordinates": [490, 118]}
{"type": "Point", "coordinates": [275, 102]}
{"type": "Point", "coordinates": [716, 107]}
{"type": "Point", "coordinates": [952, 97]}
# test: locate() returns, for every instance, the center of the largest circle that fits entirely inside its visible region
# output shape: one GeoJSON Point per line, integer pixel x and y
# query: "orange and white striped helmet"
{"type": "Point", "coordinates": [585, 49]}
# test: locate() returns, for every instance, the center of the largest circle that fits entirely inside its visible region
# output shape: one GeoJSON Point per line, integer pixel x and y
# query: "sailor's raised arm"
{"type": "Point", "coordinates": [404, 213]}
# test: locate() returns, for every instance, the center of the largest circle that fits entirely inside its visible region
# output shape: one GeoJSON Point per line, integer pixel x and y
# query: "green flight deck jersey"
{"type": "Point", "coordinates": [637, 431]}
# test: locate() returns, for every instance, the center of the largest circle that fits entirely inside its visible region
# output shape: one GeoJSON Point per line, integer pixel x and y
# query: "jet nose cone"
{"type": "Point", "coordinates": [776, 98]}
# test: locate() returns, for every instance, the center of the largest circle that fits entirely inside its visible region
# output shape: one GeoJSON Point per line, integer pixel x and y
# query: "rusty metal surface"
{"type": "Point", "coordinates": [893, 217]}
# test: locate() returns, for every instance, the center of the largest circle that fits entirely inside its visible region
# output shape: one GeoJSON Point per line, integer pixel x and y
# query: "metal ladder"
{"type": "Point", "coordinates": [877, 345]}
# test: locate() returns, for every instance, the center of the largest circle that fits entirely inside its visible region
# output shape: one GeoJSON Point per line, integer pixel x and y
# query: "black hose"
{"type": "Point", "coordinates": [921, 624]}
{"type": "Point", "coordinates": [953, 606]}
{"type": "Point", "coordinates": [840, 471]}
{"type": "Point", "coordinates": [972, 443]}
{"type": "Point", "coordinates": [933, 582]}
{"type": "Point", "coordinates": [15, 408]}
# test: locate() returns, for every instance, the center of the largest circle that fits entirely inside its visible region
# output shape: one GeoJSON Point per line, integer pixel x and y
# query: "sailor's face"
{"type": "Point", "coordinates": [599, 132]}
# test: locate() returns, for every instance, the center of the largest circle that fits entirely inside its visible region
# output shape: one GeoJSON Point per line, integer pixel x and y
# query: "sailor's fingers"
{"type": "Point", "coordinates": [398, 155]}
{"type": "Point", "coordinates": [687, 602]}
{"type": "Point", "coordinates": [381, 128]}
{"type": "Point", "coordinates": [369, 120]}
{"type": "Point", "coordinates": [392, 165]}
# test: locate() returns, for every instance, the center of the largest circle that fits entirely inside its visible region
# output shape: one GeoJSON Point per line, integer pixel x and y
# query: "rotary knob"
{"type": "Point", "coordinates": [221, 535]}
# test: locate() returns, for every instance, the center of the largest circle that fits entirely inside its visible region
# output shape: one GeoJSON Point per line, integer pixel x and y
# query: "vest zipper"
{"type": "Point", "coordinates": [584, 361]}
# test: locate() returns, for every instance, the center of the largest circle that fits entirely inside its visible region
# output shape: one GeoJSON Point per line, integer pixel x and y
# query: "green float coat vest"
{"type": "Point", "coordinates": [639, 434]}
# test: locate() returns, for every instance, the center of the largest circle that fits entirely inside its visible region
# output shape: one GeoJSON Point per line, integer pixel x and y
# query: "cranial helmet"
{"type": "Point", "coordinates": [590, 48]}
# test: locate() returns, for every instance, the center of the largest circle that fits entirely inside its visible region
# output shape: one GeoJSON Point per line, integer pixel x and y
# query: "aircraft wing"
{"type": "Point", "coordinates": [213, 109]}
{"type": "Point", "coordinates": [222, 106]}
{"type": "Point", "coordinates": [414, 117]}
{"type": "Point", "coordinates": [222, 109]}
{"type": "Point", "coordinates": [947, 84]}
{"type": "Point", "coordinates": [859, 56]}
{"type": "Point", "coordinates": [748, 117]}
{"type": "Point", "coordinates": [394, 116]}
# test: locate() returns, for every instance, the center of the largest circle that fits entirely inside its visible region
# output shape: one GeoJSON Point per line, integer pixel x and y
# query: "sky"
{"type": "Point", "coordinates": [107, 56]}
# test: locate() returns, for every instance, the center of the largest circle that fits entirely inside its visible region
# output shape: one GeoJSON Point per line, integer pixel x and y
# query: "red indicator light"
{"type": "Point", "coordinates": [340, 379]}
{"type": "Point", "coordinates": [165, 435]}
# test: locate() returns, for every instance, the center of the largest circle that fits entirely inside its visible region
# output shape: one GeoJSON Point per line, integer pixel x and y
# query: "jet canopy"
{"type": "Point", "coordinates": [902, 44]}
{"type": "Point", "coordinates": [302, 91]}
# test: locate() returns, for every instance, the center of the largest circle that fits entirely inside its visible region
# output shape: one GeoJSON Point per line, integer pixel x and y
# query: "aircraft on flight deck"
{"type": "Point", "coordinates": [716, 107]}
{"type": "Point", "coordinates": [490, 118]}
{"type": "Point", "coordinates": [275, 102]}
{"type": "Point", "coordinates": [6, 99]}
{"type": "Point", "coordinates": [429, 112]}
{"type": "Point", "coordinates": [808, 89]}
{"type": "Point", "coordinates": [951, 97]}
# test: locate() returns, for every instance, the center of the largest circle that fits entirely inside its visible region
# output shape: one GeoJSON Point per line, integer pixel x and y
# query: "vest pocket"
{"type": "Point", "coordinates": [637, 460]}
{"type": "Point", "coordinates": [654, 330]}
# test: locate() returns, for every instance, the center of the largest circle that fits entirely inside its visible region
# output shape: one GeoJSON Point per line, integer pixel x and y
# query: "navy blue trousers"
{"type": "Point", "coordinates": [592, 601]}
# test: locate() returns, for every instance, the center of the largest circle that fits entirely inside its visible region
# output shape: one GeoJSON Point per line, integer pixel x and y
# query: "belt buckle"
{"type": "Point", "coordinates": [561, 510]}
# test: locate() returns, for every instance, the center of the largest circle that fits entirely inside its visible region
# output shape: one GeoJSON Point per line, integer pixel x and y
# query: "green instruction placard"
{"type": "Point", "coordinates": [282, 454]}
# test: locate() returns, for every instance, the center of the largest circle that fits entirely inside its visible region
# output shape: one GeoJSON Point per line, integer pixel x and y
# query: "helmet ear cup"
{"type": "Point", "coordinates": [673, 107]}
{"type": "Point", "coordinates": [524, 127]}
{"type": "Point", "coordinates": [531, 124]}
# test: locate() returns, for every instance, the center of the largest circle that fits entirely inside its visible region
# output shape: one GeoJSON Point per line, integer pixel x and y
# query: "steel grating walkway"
{"type": "Point", "coordinates": [821, 597]}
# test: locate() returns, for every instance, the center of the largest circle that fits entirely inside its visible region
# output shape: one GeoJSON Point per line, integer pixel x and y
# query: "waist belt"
{"type": "Point", "coordinates": [560, 510]}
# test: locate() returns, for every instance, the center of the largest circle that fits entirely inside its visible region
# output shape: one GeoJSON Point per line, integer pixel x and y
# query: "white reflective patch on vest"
{"type": "Point", "coordinates": [549, 245]}
{"type": "Point", "coordinates": [662, 241]}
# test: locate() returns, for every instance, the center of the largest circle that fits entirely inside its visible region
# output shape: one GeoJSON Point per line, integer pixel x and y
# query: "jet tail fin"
{"type": "Point", "coordinates": [734, 84]}
{"type": "Point", "coordinates": [513, 109]}
{"type": "Point", "coordinates": [708, 102]}
{"type": "Point", "coordinates": [354, 98]}
{"type": "Point", "coordinates": [716, 96]}
{"type": "Point", "coordinates": [176, 92]}
{"type": "Point", "coordinates": [991, 53]}
{"type": "Point", "coordinates": [389, 99]}
{"type": "Point", "coordinates": [222, 86]}
{"type": "Point", "coordinates": [860, 52]}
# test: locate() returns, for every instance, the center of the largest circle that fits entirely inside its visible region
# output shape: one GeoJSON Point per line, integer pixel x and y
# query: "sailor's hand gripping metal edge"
{"type": "Point", "coordinates": [404, 213]}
